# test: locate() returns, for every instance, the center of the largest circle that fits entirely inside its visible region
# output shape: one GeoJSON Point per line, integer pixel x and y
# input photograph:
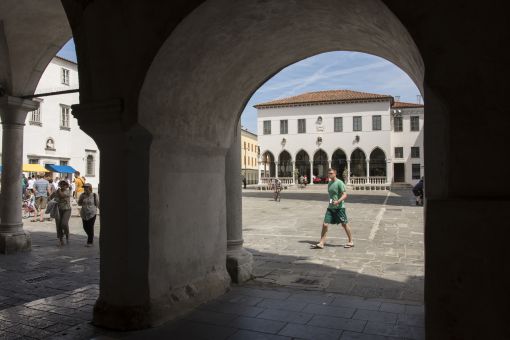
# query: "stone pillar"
{"type": "Point", "coordinates": [348, 171]}
{"type": "Point", "coordinates": [368, 171]}
{"type": "Point", "coordinates": [124, 237]}
{"type": "Point", "coordinates": [277, 169]}
{"type": "Point", "coordinates": [292, 172]}
{"type": "Point", "coordinates": [13, 111]}
{"type": "Point", "coordinates": [239, 260]}
{"type": "Point", "coordinates": [329, 164]}
{"type": "Point", "coordinates": [259, 181]}
{"type": "Point", "coordinates": [310, 179]}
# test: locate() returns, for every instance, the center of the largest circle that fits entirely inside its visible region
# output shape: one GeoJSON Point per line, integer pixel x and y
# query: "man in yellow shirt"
{"type": "Point", "coordinates": [79, 182]}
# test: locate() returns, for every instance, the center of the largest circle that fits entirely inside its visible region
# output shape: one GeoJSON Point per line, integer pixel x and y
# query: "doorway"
{"type": "Point", "coordinates": [399, 173]}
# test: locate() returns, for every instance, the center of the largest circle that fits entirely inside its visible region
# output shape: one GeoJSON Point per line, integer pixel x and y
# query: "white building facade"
{"type": "Point", "coordinates": [51, 133]}
{"type": "Point", "coordinates": [370, 139]}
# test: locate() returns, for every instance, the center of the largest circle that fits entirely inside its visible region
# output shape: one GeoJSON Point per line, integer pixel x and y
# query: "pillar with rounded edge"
{"type": "Point", "coordinates": [310, 180]}
{"type": "Point", "coordinates": [368, 171]}
{"type": "Point", "coordinates": [124, 299]}
{"type": "Point", "coordinates": [348, 171]}
{"type": "Point", "coordinates": [13, 111]}
{"type": "Point", "coordinates": [239, 260]}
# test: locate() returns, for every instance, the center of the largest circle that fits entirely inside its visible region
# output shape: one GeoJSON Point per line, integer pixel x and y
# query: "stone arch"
{"type": "Point", "coordinates": [358, 163]}
{"type": "Point", "coordinates": [339, 163]}
{"type": "Point", "coordinates": [378, 163]}
{"type": "Point", "coordinates": [320, 165]}
{"type": "Point", "coordinates": [219, 55]}
{"type": "Point", "coordinates": [268, 164]}
{"type": "Point", "coordinates": [302, 164]}
{"type": "Point", "coordinates": [284, 164]}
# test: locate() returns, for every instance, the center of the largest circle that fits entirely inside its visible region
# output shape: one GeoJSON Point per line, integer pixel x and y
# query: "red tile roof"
{"type": "Point", "coordinates": [403, 105]}
{"type": "Point", "coordinates": [325, 97]}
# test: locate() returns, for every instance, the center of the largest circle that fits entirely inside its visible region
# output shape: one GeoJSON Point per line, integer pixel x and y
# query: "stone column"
{"type": "Point", "coordinates": [368, 171]}
{"type": "Point", "coordinates": [239, 260]}
{"type": "Point", "coordinates": [124, 239]}
{"type": "Point", "coordinates": [329, 164]}
{"type": "Point", "coordinates": [292, 172]}
{"type": "Point", "coordinates": [310, 179]}
{"type": "Point", "coordinates": [13, 111]}
{"type": "Point", "coordinates": [348, 171]}
{"type": "Point", "coordinates": [276, 169]}
{"type": "Point", "coordinates": [259, 181]}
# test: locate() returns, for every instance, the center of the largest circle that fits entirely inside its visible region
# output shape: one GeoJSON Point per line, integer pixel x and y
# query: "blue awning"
{"type": "Point", "coordinates": [65, 169]}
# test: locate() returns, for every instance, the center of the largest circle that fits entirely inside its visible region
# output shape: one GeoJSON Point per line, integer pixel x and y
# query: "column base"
{"type": "Point", "coordinates": [15, 242]}
{"type": "Point", "coordinates": [239, 265]}
{"type": "Point", "coordinates": [124, 318]}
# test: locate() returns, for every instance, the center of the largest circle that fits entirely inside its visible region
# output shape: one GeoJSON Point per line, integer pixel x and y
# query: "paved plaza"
{"type": "Point", "coordinates": [371, 291]}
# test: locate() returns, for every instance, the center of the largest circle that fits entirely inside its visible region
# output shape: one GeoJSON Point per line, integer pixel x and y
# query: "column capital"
{"type": "Point", "coordinates": [13, 110]}
{"type": "Point", "coordinates": [99, 116]}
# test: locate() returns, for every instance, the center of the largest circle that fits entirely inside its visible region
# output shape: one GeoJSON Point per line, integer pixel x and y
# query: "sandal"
{"type": "Point", "coordinates": [349, 245]}
{"type": "Point", "coordinates": [317, 246]}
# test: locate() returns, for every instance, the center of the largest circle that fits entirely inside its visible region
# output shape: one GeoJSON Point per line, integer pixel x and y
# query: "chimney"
{"type": "Point", "coordinates": [397, 98]}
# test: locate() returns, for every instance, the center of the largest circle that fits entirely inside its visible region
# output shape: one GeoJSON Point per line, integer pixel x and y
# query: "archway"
{"type": "Point", "coordinates": [268, 165]}
{"type": "Point", "coordinates": [339, 163]}
{"type": "Point", "coordinates": [320, 166]}
{"type": "Point", "coordinates": [378, 163]}
{"type": "Point", "coordinates": [303, 165]}
{"type": "Point", "coordinates": [284, 164]}
{"type": "Point", "coordinates": [358, 164]}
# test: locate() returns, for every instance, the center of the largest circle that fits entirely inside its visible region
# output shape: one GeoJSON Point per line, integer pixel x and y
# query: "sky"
{"type": "Point", "coordinates": [339, 70]}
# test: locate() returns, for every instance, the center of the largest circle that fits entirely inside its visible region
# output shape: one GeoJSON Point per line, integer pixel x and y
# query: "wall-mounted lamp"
{"type": "Point", "coordinates": [319, 140]}
{"type": "Point", "coordinates": [284, 141]}
{"type": "Point", "coordinates": [356, 138]}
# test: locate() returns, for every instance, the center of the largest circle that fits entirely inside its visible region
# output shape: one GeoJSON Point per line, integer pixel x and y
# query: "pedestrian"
{"type": "Point", "coordinates": [335, 213]}
{"type": "Point", "coordinates": [244, 182]}
{"type": "Point", "coordinates": [89, 203]}
{"type": "Point", "coordinates": [31, 181]}
{"type": "Point", "coordinates": [41, 189]}
{"type": "Point", "coordinates": [418, 192]}
{"type": "Point", "coordinates": [63, 197]}
{"type": "Point", "coordinates": [79, 182]}
{"type": "Point", "coordinates": [24, 184]}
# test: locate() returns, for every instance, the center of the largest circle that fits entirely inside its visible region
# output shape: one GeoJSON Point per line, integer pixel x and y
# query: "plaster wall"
{"type": "Point", "coordinates": [71, 145]}
{"type": "Point", "coordinates": [331, 140]}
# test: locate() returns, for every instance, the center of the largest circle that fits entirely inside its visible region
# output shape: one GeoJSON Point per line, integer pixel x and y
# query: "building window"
{"type": "Point", "coordinates": [415, 152]}
{"type": "Point", "coordinates": [65, 114]}
{"type": "Point", "coordinates": [301, 123]}
{"type": "Point", "coordinates": [415, 123]}
{"type": "Point", "coordinates": [399, 152]}
{"type": "Point", "coordinates": [90, 165]}
{"type": "Point", "coordinates": [376, 123]}
{"type": "Point", "coordinates": [356, 123]}
{"type": "Point", "coordinates": [267, 127]}
{"type": "Point", "coordinates": [397, 124]}
{"type": "Point", "coordinates": [416, 171]}
{"type": "Point", "coordinates": [64, 76]}
{"type": "Point", "coordinates": [35, 117]}
{"type": "Point", "coordinates": [284, 127]}
{"type": "Point", "coordinates": [339, 124]}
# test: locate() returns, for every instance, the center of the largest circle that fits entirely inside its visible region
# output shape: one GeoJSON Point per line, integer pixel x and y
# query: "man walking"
{"type": "Point", "coordinates": [79, 183]}
{"type": "Point", "coordinates": [41, 190]}
{"type": "Point", "coordinates": [335, 213]}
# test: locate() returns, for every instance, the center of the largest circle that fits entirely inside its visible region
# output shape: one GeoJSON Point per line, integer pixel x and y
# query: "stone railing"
{"type": "Point", "coordinates": [378, 180]}
{"type": "Point", "coordinates": [284, 180]}
{"type": "Point", "coordinates": [358, 180]}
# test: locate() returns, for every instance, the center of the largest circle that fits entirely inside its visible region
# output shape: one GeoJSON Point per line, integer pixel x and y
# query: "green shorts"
{"type": "Point", "coordinates": [335, 216]}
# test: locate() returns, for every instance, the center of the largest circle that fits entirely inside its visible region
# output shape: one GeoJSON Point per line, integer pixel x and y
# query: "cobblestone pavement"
{"type": "Point", "coordinates": [298, 293]}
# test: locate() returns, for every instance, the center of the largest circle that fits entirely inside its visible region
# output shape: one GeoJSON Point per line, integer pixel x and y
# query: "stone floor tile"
{"type": "Point", "coordinates": [310, 332]}
{"type": "Point", "coordinates": [411, 320]}
{"type": "Point", "coordinates": [343, 312]}
{"type": "Point", "coordinates": [256, 324]}
{"type": "Point", "coordinates": [233, 308]}
{"type": "Point", "coordinates": [337, 323]}
{"type": "Point", "coordinates": [371, 315]}
{"type": "Point", "coordinates": [286, 316]}
{"type": "Point", "coordinates": [266, 294]}
{"type": "Point", "coordinates": [392, 307]}
{"type": "Point", "coordinates": [364, 336]}
{"type": "Point", "coordinates": [294, 306]}
{"type": "Point", "coordinates": [356, 302]}
{"type": "Point", "coordinates": [250, 335]}
{"type": "Point", "coordinates": [215, 318]}
{"type": "Point", "coordinates": [403, 331]}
